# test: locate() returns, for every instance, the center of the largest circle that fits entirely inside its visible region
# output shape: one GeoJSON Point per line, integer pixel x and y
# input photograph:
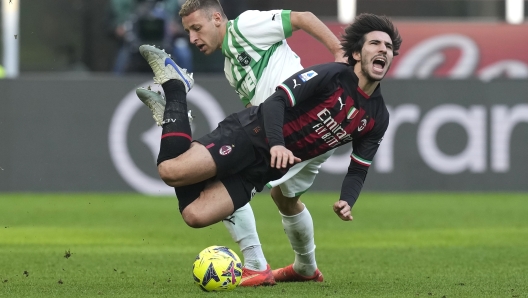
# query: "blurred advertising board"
{"type": "Point", "coordinates": [442, 49]}
{"type": "Point", "coordinates": [92, 134]}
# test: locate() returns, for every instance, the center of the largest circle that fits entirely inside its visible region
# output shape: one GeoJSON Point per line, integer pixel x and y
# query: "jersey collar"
{"type": "Point", "coordinates": [376, 93]}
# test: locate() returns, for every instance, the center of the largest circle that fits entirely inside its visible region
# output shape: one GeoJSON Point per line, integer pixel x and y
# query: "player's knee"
{"type": "Point", "coordinates": [169, 175]}
{"type": "Point", "coordinates": [286, 205]}
{"type": "Point", "coordinates": [193, 218]}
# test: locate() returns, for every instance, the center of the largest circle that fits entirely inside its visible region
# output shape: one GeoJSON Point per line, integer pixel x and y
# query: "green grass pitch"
{"type": "Point", "coordinates": [399, 245]}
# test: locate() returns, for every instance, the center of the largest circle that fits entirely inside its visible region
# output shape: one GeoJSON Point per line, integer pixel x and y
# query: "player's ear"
{"type": "Point", "coordinates": [217, 18]}
{"type": "Point", "coordinates": [356, 56]}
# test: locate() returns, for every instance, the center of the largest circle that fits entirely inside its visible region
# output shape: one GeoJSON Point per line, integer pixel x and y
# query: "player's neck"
{"type": "Point", "coordinates": [366, 84]}
{"type": "Point", "coordinates": [223, 31]}
{"type": "Point", "coordinates": [368, 87]}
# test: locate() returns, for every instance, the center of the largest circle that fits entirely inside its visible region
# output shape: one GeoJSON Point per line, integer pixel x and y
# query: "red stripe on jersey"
{"type": "Point", "coordinates": [349, 128]}
{"type": "Point", "coordinates": [307, 118]}
{"type": "Point", "coordinates": [356, 120]}
{"type": "Point", "coordinates": [363, 93]}
{"type": "Point", "coordinates": [370, 125]}
{"type": "Point", "coordinates": [176, 134]}
{"type": "Point", "coordinates": [317, 134]}
{"type": "Point", "coordinates": [349, 103]}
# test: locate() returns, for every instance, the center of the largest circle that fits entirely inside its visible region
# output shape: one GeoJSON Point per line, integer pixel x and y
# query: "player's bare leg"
{"type": "Point", "coordinates": [183, 165]}
{"type": "Point", "coordinates": [298, 226]}
{"type": "Point", "coordinates": [213, 205]}
{"type": "Point", "coordinates": [193, 166]}
{"type": "Point", "coordinates": [179, 167]}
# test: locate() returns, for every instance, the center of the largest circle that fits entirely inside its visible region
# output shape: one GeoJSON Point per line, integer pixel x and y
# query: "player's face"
{"type": "Point", "coordinates": [376, 55]}
{"type": "Point", "coordinates": [203, 31]}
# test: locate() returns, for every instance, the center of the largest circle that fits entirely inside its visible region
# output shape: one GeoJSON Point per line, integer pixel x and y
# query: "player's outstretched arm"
{"type": "Point", "coordinates": [343, 210]}
{"type": "Point", "coordinates": [309, 23]}
{"type": "Point", "coordinates": [282, 158]}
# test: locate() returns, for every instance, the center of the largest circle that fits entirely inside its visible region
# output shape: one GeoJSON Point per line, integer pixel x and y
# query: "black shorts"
{"type": "Point", "coordinates": [230, 147]}
{"type": "Point", "coordinates": [240, 190]}
{"type": "Point", "coordinates": [239, 165]}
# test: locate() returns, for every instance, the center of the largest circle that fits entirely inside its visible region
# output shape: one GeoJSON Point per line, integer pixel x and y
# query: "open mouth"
{"type": "Point", "coordinates": [379, 63]}
{"type": "Point", "coordinates": [201, 46]}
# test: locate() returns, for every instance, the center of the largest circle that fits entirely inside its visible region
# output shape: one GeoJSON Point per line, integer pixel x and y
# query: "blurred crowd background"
{"type": "Point", "coordinates": [102, 35]}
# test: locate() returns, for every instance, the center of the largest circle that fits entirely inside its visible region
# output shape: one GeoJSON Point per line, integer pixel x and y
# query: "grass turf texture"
{"type": "Point", "coordinates": [399, 245]}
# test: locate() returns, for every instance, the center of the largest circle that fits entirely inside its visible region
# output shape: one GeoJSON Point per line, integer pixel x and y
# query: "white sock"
{"type": "Point", "coordinates": [300, 232]}
{"type": "Point", "coordinates": [241, 225]}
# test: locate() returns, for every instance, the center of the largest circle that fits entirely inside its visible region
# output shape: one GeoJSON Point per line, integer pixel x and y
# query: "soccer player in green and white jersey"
{"type": "Point", "coordinates": [257, 60]}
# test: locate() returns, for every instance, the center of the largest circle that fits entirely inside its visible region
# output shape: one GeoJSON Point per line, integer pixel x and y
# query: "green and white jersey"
{"type": "Point", "coordinates": [257, 56]}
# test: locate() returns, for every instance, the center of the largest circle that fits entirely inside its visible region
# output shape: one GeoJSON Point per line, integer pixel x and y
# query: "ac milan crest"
{"type": "Point", "coordinates": [225, 150]}
{"type": "Point", "coordinates": [362, 125]}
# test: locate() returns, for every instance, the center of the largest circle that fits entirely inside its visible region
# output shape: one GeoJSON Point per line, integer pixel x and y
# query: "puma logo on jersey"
{"type": "Point", "coordinates": [295, 83]}
{"type": "Point", "coordinates": [230, 219]}
{"type": "Point", "coordinates": [342, 104]}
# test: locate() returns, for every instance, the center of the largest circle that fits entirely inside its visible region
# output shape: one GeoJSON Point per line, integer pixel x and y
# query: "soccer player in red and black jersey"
{"type": "Point", "coordinates": [315, 110]}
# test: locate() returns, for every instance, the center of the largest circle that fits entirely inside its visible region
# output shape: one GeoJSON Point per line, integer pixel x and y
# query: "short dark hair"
{"type": "Point", "coordinates": [210, 6]}
{"type": "Point", "coordinates": [354, 36]}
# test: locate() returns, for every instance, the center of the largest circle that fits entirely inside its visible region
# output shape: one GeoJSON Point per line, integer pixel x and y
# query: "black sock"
{"type": "Point", "coordinates": [176, 136]}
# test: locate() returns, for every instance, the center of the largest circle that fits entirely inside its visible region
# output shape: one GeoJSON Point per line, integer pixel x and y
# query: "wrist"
{"type": "Point", "coordinates": [276, 143]}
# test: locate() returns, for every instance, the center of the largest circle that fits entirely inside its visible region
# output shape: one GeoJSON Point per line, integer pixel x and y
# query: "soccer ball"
{"type": "Point", "coordinates": [217, 268]}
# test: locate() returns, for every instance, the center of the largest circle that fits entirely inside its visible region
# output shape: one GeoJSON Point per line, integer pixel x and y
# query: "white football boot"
{"type": "Point", "coordinates": [164, 67]}
{"type": "Point", "coordinates": [156, 103]}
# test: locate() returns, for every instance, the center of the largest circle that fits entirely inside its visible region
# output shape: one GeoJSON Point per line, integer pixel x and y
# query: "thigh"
{"type": "Point", "coordinates": [193, 166]}
{"type": "Point", "coordinates": [218, 200]}
{"type": "Point", "coordinates": [230, 148]}
{"type": "Point", "coordinates": [213, 205]}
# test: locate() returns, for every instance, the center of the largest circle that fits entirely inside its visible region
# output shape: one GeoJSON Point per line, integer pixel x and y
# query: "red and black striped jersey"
{"type": "Point", "coordinates": [316, 110]}
{"type": "Point", "coordinates": [323, 109]}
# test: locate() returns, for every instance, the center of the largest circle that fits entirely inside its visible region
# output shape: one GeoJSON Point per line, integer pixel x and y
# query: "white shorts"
{"type": "Point", "coordinates": [301, 176]}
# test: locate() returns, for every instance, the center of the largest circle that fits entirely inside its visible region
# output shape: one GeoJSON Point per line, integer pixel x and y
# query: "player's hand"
{"type": "Point", "coordinates": [343, 210]}
{"type": "Point", "coordinates": [282, 158]}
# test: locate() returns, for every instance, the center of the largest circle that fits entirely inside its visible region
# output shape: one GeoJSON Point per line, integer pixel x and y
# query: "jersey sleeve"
{"type": "Point", "coordinates": [309, 81]}
{"type": "Point", "coordinates": [262, 29]}
{"type": "Point", "coordinates": [363, 152]}
{"type": "Point", "coordinates": [353, 183]}
{"type": "Point", "coordinates": [303, 85]}
{"type": "Point", "coordinates": [364, 149]}
{"type": "Point", "coordinates": [273, 117]}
